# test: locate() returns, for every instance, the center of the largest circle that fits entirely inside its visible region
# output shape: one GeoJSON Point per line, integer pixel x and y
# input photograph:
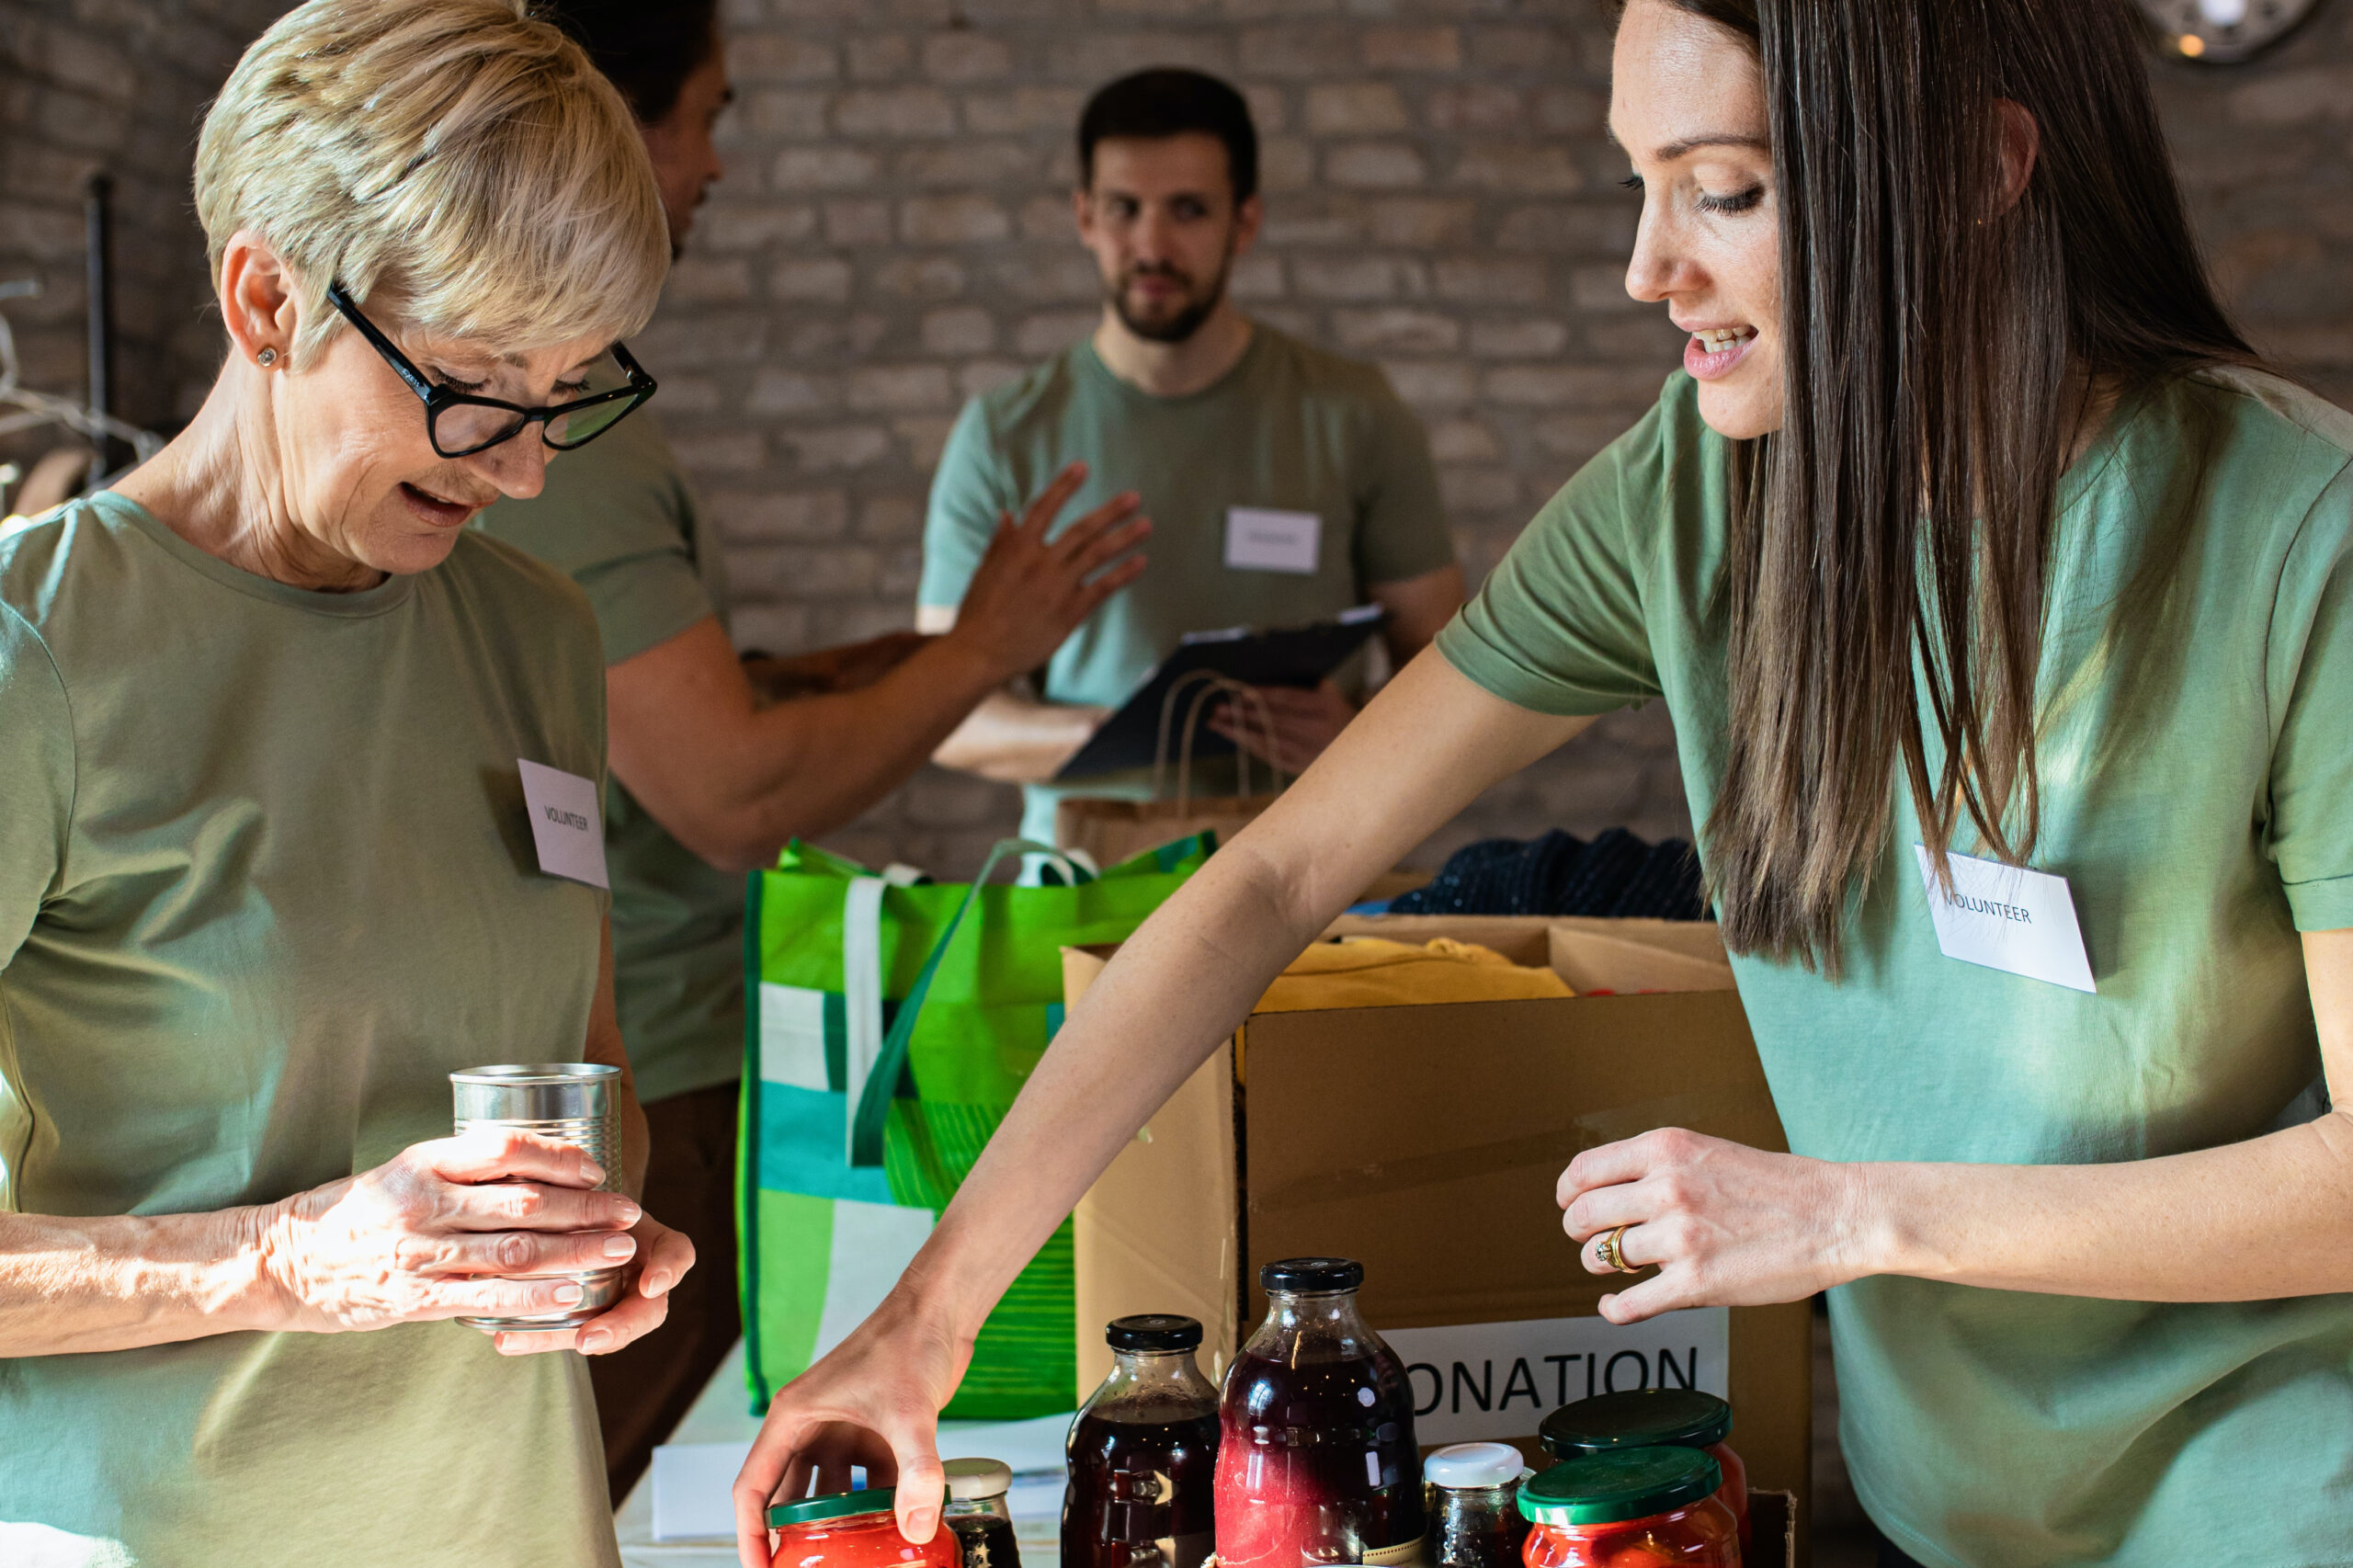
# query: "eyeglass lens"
{"type": "Point", "coordinates": [469, 426]}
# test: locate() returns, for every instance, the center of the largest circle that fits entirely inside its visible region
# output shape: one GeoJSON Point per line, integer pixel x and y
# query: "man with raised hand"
{"type": "Point", "coordinates": [1285, 484]}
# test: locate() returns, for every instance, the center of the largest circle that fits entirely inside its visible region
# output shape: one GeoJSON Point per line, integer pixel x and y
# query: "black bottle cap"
{"type": "Point", "coordinates": [1312, 1275]}
{"type": "Point", "coordinates": [1153, 1331]}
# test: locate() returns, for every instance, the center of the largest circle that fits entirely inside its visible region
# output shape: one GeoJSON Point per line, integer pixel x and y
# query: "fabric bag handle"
{"type": "Point", "coordinates": [870, 1115]}
{"type": "Point", "coordinates": [1211, 685]}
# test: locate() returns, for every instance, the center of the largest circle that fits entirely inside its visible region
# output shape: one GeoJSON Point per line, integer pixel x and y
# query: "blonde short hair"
{"type": "Point", "coordinates": [462, 156]}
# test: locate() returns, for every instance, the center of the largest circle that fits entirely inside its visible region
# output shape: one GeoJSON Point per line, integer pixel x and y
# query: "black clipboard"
{"type": "Point", "coordinates": [1285, 655]}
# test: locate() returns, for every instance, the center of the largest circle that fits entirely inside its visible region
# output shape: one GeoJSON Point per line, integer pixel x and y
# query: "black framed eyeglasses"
{"type": "Point", "coordinates": [459, 424]}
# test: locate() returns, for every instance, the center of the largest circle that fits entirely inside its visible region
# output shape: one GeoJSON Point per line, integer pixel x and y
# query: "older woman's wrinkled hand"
{"type": "Point", "coordinates": [664, 1255]}
{"type": "Point", "coordinates": [1725, 1225]}
{"type": "Point", "coordinates": [457, 1227]}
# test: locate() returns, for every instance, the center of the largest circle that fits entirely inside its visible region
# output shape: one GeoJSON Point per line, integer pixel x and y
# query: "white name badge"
{"type": "Point", "coordinates": [2009, 919]}
{"type": "Point", "coordinates": [566, 827]}
{"type": "Point", "coordinates": [1260, 539]}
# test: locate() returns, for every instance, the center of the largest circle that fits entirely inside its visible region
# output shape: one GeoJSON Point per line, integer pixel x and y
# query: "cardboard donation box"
{"type": "Point", "coordinates": [1426, 1141]}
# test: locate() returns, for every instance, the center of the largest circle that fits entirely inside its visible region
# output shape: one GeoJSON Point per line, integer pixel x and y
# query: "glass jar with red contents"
{"type": "Point", "coordinates": [1630, 1508]}
{"type": "Point", "coordinates": [1316, 1462]}
{"type": "Point", "coordinates": [1643, 1418]}
{"type": "Point", "coordinates": [855, 1529]}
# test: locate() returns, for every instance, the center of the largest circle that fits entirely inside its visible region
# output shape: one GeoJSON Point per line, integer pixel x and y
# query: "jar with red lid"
{"type": "Point", "coordinates": [1644, 1419]}
{"type": "Point", "coordinates": [1630, 1508]}
{"type": "Point", "coordinates": [854, 1529]}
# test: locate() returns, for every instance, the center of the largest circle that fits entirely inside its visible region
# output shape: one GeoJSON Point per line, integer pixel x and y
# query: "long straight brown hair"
{"type": "Point", "coordinates": [1889, 545]}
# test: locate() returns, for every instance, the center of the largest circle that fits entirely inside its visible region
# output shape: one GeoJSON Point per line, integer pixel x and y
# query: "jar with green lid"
{"type": "Point", "coordinates": [1630, 1508]}
{"type": "Point", "coordinates": [1643, 1418]}
{"type": "Point", "coordinates": [854, 1529]}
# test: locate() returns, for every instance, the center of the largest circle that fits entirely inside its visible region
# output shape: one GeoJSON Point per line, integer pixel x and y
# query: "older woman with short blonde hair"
{"type": "Point", "coordinates": [266, 874]}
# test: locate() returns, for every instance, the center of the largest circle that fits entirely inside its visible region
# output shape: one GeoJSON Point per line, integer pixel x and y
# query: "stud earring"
{"type": "Point", "coordinates": [268, 357]}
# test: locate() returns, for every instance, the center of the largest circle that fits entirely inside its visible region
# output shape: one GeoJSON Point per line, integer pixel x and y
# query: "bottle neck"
{"type": "Point", "coordinates": [1328, 1320]}
{"type": "Point", "coordinates": [1152, 1373]}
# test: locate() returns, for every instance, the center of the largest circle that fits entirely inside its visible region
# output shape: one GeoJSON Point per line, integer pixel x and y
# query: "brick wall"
{"type": "Point", "coordinates": [118, 86]}
{"type": "Point", "coordinates": [893, 234]}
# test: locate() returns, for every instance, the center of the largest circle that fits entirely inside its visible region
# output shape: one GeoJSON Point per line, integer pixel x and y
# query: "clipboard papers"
{"type": "Point", "coordinates": [1286, 655]}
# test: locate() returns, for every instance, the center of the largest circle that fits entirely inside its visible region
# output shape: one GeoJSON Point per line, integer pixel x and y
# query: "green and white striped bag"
{"type": "Point", "coordinates": [891, 1023]}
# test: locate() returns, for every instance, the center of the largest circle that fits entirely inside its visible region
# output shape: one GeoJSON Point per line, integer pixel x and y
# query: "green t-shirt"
{"type": "Point", "coordinates": [266, 879]}
{"type": "Point", "coordinates": [618, 515]}
{"type": "Point", "coordinates": [1290, 428]}
{"type": "Point", "coordinates": [2197, 771]}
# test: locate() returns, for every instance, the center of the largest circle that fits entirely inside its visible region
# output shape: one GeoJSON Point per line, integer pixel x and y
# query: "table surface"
{"type": "Point", "coordinates": [721, 1416]}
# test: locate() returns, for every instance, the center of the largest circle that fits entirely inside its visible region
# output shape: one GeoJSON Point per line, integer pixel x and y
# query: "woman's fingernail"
{"type": "Point", "coordinates": [595, 1339]}
{"type": "Point", "coordinates": [568, 1295]}
{"type": "Point", "coordinates": [632, 1213]}
{"type": "Point", "coordinates": [655, 1284]}
{"type": "Point", "coordinates": [618, 1246]}
{"type": "Point", "coordinates": [592, 1173]}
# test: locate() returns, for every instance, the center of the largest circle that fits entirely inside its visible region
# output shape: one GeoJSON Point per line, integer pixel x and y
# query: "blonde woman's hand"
{"type": "Point", "coordinates": [662, 1259]}
{"type": "Point", "coordinates": [457, 1227]}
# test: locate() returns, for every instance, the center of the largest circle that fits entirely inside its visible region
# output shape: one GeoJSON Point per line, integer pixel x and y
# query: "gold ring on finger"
{"type": "Point", "coordinates": [1612, 1253]}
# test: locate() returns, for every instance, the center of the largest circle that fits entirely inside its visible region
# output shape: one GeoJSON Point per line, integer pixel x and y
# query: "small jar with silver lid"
{"type": "Point", "coordinates": [1474, 1505]}
{"type": "Point", "coordinates": [978, 1513]}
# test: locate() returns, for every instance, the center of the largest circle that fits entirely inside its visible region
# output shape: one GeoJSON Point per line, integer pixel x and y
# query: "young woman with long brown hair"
{"type": "Point", "coordinates": [1971, 526]}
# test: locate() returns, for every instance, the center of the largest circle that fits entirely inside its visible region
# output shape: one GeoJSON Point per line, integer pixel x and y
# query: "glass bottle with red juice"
{"type": "Point", "coordinates": [1317, 1458]}
{"type": "Point", "coordinates": [1144, 1454]}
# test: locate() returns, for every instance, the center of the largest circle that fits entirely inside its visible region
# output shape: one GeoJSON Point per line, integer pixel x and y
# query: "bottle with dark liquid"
{"type": "Point", "coordinates": [1317, 1458]}
{"type": "Point", "coordinates": [1142, 1453]}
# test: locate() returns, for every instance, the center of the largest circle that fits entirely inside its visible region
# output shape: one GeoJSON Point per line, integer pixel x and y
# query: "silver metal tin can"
{"type": "Point", "coordinates": [571, 1102]}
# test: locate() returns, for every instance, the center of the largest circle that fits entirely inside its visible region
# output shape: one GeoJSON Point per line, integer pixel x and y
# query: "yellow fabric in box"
{"type": "Point", "coordinates": [1370, 971]}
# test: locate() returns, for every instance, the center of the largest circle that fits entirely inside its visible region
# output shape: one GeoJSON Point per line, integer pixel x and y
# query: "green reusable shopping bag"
{"type": "Point", "coordinates": [891, 1022]}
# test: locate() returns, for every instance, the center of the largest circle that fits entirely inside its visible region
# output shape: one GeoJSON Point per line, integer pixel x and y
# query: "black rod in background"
{"type": "Point", "coordinates": [98, 222]}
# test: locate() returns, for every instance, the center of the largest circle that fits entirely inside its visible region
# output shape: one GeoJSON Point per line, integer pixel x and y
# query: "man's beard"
{"type": "Point", "coordinates": [1175, 328]}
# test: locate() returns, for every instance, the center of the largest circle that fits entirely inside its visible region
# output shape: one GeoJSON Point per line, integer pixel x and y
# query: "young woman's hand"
{"type": "Point", "coordinates": [1725, 1225]}
{"type": "Point", "coordinates": [453, 1228]}
{"type": "Point", "coordinates": [874, 1400]}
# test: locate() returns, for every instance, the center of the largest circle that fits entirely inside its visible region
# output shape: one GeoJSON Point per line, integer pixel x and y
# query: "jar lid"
{"type": "Point", "coordinates": [969, 1481]}
{"type": "Point", "coordinates": [835, 1505]}
{"type": "Point", "coordinates": [1153, 1331]}
{"type": "Point", "coordinates": [1639, 1418]}
{"type": "Point", "coordinates": [1312, 1275]}
{"type": "Point", "coordinates": [1461, 1466]}
{"type": "Point", "coordinates": [1617, 1484]}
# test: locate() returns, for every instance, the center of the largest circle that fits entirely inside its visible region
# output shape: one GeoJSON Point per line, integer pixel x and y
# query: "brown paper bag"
{"type": "Point", "coordinates": [1107, 830]}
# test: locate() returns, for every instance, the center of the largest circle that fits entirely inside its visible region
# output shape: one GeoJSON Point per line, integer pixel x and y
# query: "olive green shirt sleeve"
{"type": "Point", "coordinates": [1559, 627]}
{"type": "Point", "coordinates": [2310, 835]}
{"type": "Point", "coordinates": [617, 517]}
{"type": "Point", "coordinates": [1401, 531]}
{"type": "Point", "coordinates": [36, 781]}
{"type": "Point", "coordinates": [967, 495]}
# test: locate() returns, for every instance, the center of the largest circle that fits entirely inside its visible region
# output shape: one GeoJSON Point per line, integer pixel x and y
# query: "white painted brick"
{"type": "Point", "coordinates": [961, 329]}
{"type": "Point", "coordinates": [952, 220]}
{"type": "Point", "coordinates": [1376, 165]}
{"type": "Point", "coordinates": [1353, 109]}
